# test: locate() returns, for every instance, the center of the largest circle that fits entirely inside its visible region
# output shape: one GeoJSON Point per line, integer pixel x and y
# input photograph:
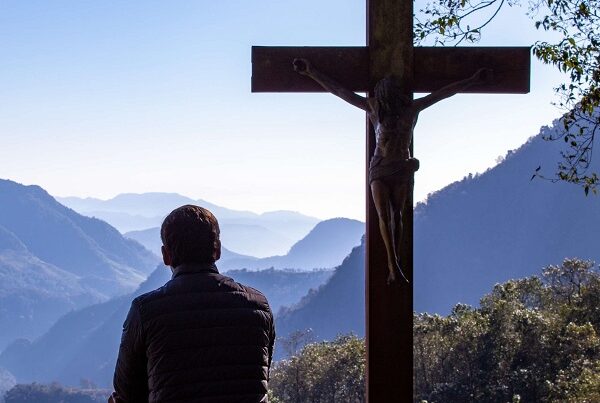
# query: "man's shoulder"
{"type": "Point", "coordinates": [218, 283]}
{"type": "Point", "coordinates": [251, 293]}
{"type": "Point", "coordinates": [150, 295]}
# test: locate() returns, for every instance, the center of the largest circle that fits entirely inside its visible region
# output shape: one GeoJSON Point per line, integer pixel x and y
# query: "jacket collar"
{"type": "Point", "coordinates": [190, 268]}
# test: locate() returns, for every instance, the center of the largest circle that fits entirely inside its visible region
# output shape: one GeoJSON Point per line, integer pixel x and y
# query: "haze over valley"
{"type": "Point", "coordinates": [245, 232]}
{"type": "Point", "coordinates": [67, 279]}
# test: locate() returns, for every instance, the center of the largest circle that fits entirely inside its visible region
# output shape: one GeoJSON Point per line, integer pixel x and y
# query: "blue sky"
{"type": "Point", "coordinates": [104, 97]}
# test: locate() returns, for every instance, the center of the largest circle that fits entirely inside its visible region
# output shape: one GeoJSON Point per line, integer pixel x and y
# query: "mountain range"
{"type": "Point", "coordinates": [244, 232]}
{"type": "Point", "coordinates": [325, 246]}
{"type": "Point", "coordinates": [150, 239]}
{"type": "Point", "coordinates": [500, 225]}
{"type": "Point", "coordinates": [469, 236]}
{"type": "Point", "coordinates": [53, 260]}
{"type": "Point", "coordinates": [337, 307]}
{"type": "Point", "coordinates": [84, 344]}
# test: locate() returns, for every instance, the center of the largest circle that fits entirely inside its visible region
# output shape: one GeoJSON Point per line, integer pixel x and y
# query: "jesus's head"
{"type": "Point", "coordinates": [390, 96]}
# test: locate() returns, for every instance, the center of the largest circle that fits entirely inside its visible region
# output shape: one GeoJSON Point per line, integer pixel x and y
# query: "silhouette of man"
{"type": "Point", "coordinates": [201, 337]}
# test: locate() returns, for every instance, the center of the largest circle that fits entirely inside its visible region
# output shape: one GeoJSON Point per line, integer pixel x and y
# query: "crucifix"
{"type": "Point", "coordinates": [390, 52]}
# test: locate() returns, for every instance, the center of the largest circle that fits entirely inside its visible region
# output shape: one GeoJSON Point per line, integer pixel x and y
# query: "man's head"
{"type": "Point", "coordinates": [190, 234]}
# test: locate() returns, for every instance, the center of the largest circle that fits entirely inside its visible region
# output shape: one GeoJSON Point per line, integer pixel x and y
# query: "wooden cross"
{"type": "Point", "coordinates": [389, 309]}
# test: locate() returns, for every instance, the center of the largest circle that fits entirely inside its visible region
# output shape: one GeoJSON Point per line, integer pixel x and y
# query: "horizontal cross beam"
{"type": "Point", "coordinates": [434, 67]}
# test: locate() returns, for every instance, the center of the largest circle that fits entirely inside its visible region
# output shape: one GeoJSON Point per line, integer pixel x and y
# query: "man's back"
{"type": "Point", "coordinates": [201, 337]}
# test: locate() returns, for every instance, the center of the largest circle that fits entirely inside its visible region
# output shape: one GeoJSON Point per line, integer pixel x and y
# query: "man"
{"type": "Point", "coordinates": [201, 337]}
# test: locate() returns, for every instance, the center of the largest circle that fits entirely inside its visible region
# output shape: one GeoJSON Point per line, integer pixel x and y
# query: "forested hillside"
{"type": "Point", "coordinates": [84, 344]}
{"type": "Point", "coordinates": [86, 247]}
{"type": "Point", "coordinates": [337, 307]}
{"type": "Point", "coordinates": [500, 225]}
{"type": "Point", "coordinates": [535, 339]}
{"type": "Point", "coordinates": [483, 230]}
{"type": "Point", "coordinates": [53, 260]}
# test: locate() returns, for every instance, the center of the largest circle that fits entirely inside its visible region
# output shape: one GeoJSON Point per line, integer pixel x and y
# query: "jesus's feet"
{"type": "Point", "coordinates": [391, 277]}
{"type": "Point", "coordinates": [395, 271]}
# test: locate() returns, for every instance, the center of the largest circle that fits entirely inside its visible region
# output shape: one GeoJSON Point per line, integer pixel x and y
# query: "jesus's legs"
{"type": "Point", "coordinates": [382, 198]}
{"type": "Point", "coordinates": [398, 199]}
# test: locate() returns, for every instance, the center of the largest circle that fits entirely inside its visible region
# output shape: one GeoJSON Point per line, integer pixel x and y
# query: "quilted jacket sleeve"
{"type": "Point", "coordinates": [272, 338]}
{"type": "Point", "coordinates": [131, 379]}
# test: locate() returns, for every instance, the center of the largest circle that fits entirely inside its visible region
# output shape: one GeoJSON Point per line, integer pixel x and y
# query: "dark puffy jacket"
{"type": "Point", "coordinates": [201, 337]}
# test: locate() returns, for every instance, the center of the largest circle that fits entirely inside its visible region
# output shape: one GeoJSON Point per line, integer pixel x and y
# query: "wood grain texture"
{"type": "Point", "coordinates": [434, 67]}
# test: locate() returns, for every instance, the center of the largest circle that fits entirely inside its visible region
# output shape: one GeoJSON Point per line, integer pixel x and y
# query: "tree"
{"type": "Point", "coordinates": [294, 342]}
{"type": "Point", "coordinates": [532, 340]}
{"type": "Point", "coordinates": [576, 53]}
{"type": "Point", "coordinates": [322, 372]}
{"type": "Point", "coordinates": [535, 339]}
{"type": "Point", "coordinates": [38, 393]}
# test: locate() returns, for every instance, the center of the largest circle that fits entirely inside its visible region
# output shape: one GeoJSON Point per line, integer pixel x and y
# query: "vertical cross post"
{"type": "Point", "coordinates": [389, 309]}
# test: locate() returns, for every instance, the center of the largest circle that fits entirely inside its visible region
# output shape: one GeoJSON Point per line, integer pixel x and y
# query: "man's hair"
{"type": "Point", "coordinates": [190, 234]}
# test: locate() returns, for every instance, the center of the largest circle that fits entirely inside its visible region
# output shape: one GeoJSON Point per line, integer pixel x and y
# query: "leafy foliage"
{"type": "Point", "coordinates": [531, 340]}
{"type": "Point", "coordinates": [576, 52]}
{"type": "Point", "coordinates": [7, 382]}
{"type": "Point", "coordinates": [38, 393]}
{"type": "Point", "coordinates": [534, 339]}
{"type": "Point", "coordinates": [322, 372]}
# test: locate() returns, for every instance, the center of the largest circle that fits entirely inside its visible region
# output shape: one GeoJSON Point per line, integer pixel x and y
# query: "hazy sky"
{"type": "Point", "coordinates": [105, 97]}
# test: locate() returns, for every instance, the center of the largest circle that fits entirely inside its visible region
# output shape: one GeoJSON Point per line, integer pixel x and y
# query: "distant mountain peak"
{"type": "Point", "coordinates": [53, 260]}
{"type": "Point", "coordinates": [329, 232]}
{"type": "Point", "coordinates": [325, 246]}
{"type": "Point", "coordinates": [245, 232]}
{"type": "Point", "coordinates": [500, 224]}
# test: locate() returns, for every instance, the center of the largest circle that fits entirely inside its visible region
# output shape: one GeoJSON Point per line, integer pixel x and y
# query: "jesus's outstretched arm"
{"type": "Point", "coordinates": [304, 67]}
{"type": "Point", "coordinates": [481, 76]}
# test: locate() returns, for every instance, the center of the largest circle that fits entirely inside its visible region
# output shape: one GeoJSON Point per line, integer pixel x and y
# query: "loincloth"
{"type": "Point", "coordinates": [380, 167]}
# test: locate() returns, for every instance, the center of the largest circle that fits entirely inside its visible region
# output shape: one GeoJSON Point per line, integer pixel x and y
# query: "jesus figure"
{"type": "Point", "coordinates": [391, 169]}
